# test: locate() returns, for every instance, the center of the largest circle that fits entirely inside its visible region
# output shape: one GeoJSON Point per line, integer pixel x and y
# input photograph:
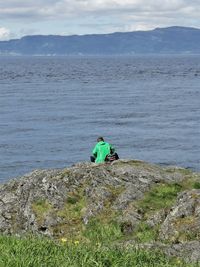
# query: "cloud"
{"type": "Point", "coordinates": [61, 8]}
{"type": "Point", "coordinates": [102, 15]}
{"type": "Point", "coordinates": [4, 34]}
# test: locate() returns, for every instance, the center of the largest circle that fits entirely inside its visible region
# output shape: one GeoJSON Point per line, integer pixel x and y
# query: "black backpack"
{"type": "Point", "coordinates": [111, 157]}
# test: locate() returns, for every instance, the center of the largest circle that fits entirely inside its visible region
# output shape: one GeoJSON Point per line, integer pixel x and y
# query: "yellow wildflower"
{"type": "Point", "coordinates": [64, 240]}
{"type": "Point", "coordinates": [178, 261]}
{"type": "Point", "coordinates": [76, 242]}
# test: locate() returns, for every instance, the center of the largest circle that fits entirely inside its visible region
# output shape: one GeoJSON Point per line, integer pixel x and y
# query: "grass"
{"type": "Point", "coordinates": [145, 233]}
{"type": "Point", "coordinates": [102, 233]}
{"type": "Point", "coordinates": [41, 207]}
{"type": "Point", "coordinates": [196, 185]}
{"type": "Point", "coordinates": [40, 252]}
{"type": "Point", "coordinates": [71, 215]}
{"type": "Point", "coordinates": [160, 197]}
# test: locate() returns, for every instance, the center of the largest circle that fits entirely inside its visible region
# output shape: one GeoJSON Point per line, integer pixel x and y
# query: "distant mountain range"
{"type": "Point", "coordinates": [171, 40]}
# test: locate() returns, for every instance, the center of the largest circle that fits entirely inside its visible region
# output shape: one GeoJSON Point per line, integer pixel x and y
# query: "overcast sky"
{"type": "Point", "coordinates": [67, 17]}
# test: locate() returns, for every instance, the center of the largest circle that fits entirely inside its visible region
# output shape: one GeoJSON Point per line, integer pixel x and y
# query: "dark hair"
{"type": "Point", "coordinates": [100, 138]}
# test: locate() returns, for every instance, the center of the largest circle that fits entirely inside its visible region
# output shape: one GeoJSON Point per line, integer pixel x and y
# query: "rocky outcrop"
{"type": "Point", "coordinates": [154, 207]}
{"type": "Point", "coordinates": [183, 220]}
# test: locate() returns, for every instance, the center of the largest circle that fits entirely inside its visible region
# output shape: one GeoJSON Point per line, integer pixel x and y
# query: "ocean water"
{"type": "Point", "coordinates": [52, 109]}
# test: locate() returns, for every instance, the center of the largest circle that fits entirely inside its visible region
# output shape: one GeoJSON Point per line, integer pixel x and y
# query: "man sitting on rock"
{"type": "Point", "coordinates": [103, 152]}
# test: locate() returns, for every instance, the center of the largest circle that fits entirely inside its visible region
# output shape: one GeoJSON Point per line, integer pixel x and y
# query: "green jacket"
{"type": "Point", "coordinates": [101, 150]}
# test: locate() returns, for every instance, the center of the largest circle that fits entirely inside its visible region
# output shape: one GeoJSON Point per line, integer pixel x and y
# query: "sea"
{"type": "Point", "coordinates": [52, 109]}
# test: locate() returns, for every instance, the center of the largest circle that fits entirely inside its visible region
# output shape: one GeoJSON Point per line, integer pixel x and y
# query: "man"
{"type": "Point", "coordinates": [102, 151]}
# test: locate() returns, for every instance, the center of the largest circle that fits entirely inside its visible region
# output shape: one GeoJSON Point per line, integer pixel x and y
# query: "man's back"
{"type": "Point", "coordinates": [101, 150]}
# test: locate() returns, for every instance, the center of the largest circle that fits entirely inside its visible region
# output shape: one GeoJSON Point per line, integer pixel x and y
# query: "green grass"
{"type": "Point", "coordinates": [71, 215]}
{"type": "Point", "coordinates": [41, 207]}
{"type": "Point", "coordinates": [38, 252]}
{"type": "Point", "coordinates": [104, 233]}
{"type": "Point", "coordinates": [159, 197]}
{"type": "Point", "coordinates": [145, 233]}
{"type": "Point", "coordinates": [196, 185]}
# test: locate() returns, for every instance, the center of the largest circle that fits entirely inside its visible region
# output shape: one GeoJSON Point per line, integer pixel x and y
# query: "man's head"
{"type": "Point", "coordinates": [100, 139]}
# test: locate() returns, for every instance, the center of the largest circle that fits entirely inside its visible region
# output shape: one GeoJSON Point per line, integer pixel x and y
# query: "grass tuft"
{"type": "Point", "coordinates": [159, 197]}
{"type": "Point", "coordinates": [196, 185]}
{"type": "Point", "coordinates": [40, 252]}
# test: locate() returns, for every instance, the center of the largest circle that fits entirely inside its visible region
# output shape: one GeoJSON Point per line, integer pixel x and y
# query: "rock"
{"type": "Point", "coordinates": [61, 203]}
{"type": "Point", "coordinates": [189, 251]}
{"type": "Point", "coordinates": [157, 218]}
{"type": "Point", "coordinates": [183, 221]}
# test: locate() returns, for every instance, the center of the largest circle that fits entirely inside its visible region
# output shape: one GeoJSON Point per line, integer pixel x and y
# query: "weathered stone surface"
{"type": "Point", "coordinates": [157, 218]}
{"type": "Point", "coordinates": [60, 202]}
{"type": "Point", "coordinates": [189, 251]}
{"type": "Point", "coordinates": [183, 221]}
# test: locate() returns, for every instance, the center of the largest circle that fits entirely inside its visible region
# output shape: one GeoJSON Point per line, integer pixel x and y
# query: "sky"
{"type": "Point", "coordinates": [67, 17]}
